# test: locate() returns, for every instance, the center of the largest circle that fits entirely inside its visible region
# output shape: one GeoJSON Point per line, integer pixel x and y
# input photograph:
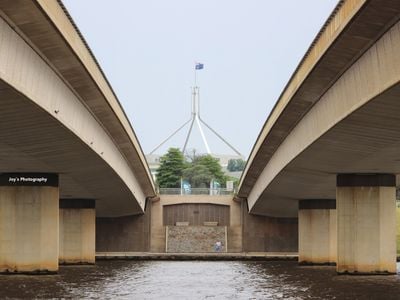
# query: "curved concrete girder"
{"type": "Point", "coordinates": [366, 92]}
{"type": "Point", "coordinates": [26, 72]}
{"type": "Point", "coordinates": [47, 27]}
{"type": "Point", "coordinates": [30, 141]}
{"type": "Point", "coordinates": [320, 47]}
{"type": "Point", "coordinates": [351, 29]}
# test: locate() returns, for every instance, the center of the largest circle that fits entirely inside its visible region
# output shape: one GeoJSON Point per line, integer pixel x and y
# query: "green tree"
{"type": "Point", "coordinates": [236, 165]}
{"type": "Point", "coordinates": [171, 167]}
{"type": "Point", "coordinates": [234, 179]}
{"type": "Point", "coordinates": [198, 176]}
{"type": "Point", "coordinates": [202, 170]}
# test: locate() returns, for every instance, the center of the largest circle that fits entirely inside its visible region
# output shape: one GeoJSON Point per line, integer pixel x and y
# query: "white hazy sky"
{"type": "Point", "coordinates": [249, 48]}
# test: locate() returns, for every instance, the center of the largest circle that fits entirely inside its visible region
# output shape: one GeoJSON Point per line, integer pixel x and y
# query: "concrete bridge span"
{"type": "Point", "coordinates": [334, 135]}
{"type": "Point", "coordinates": [60, 122]}
{"type": "Point", "coordinates": [334, 115]}
{"type": "Point", "coordinates": [59, 114]}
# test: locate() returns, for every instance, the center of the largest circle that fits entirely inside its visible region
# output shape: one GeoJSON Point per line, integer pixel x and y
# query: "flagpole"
{"type": "Point", "coordinates": [196, 118]}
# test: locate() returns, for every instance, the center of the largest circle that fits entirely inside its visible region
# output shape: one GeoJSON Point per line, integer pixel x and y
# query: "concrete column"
{"type": "Point", "coordinates": [28, 223]}
{"type": "Point", "coordinates": [77, 231]}
{"type": "Point", "coordinates": [157, 230]}
{"type": "Point", "coordinates": [317, 232]}
{"type": "Point", "coordinates": [235, 230]}
{"type": "Point", "coordinates": [366, 223]}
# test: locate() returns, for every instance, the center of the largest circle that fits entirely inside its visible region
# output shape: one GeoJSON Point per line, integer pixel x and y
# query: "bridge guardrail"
{"type": "Point", "coordinates": [195, 191]}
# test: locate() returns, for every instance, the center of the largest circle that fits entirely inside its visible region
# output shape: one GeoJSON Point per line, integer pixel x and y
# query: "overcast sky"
{"type": "Point", "coordinates": [249, 49]}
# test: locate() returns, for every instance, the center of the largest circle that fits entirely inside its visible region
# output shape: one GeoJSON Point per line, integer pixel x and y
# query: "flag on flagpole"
{"type": "Point", "coordinates": [199, 66]}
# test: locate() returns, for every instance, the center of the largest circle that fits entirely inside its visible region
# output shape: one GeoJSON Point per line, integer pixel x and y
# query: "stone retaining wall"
{"type": "Point", "coordinates": [195, 239]}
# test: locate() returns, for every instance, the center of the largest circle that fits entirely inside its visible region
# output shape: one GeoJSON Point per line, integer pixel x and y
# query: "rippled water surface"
{"type": "Point", "coordinates": [199, 280]}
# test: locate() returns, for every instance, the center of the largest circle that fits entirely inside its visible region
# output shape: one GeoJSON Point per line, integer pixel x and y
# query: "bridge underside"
{"type": "Point", "coordinates": [31, 140]}
{"type": "Point", "coordinates": [368, 141]}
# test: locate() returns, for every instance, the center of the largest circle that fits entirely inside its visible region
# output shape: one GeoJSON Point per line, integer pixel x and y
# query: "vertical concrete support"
{"type": "Point", "coordinates": [77, 231]}
{"type": "Point", "coordinates": [317, 232]}
{"type": "Point", "coordinates": [366, 222]}
{"type": "Point", "coordinates": [157, 230]}
{"type": "Point", "coordinates": [235, 230]}
{"type": "Point", "coordinates": [29, 223]}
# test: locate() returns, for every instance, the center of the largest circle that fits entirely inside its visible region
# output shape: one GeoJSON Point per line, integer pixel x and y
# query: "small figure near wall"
{"type": "Point", "coordinates": [218, 246]}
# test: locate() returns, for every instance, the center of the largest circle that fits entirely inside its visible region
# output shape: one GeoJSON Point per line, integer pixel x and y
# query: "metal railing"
{"type": "Point", "coordinates": [195, 191]}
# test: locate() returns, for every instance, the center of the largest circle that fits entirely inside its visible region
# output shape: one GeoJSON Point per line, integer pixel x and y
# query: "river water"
{"type": "Point", "coordinates": [198, 280]}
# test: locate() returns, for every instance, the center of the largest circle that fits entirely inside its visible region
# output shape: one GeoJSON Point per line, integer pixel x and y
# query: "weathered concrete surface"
{"type": "Point", "coordinates": [29, 224]}
{"type": "Point", "coordinates": [317, 235]}
{"type": "Point", "coordinates": [366, 221]}
{"type": "Point", "coordinates": [130, 233]}
{"type": "Point", "coordinates": [235, 238]}
{"type": "Point", "coordinates": [268, 234]}
{"type": "Point", "coordinates": [398, 230]}
{"type": "Point", "coordinates": [235, 230]}
{"type": "Point", "coordinates": [77, 235]}
{"type": "Point", "coordinates": [195, 239]}
{"type": "Point", "coordinates": [157, 231]}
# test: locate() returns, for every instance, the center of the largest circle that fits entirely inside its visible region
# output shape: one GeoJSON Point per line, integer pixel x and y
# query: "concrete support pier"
{"type": "Point", "coordinates": [29, 223]}
{"type": "Point", "coordinates": [77, 231]}
{"type": "Point", "coordinates": [317, 232]}
{"type": "Point", "coordinates": [366, 220]}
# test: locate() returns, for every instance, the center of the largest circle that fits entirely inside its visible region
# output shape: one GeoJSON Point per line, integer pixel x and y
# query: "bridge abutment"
{"type": "Point", "coordinates": [124, 234]}
{"type": "Point", "coordinates": [29, 223]}
{"type": "Point", "coordinates": [317, 232]}
{"type": "Point", "coordinates": [366, 222]}
{"type": "Point", "coordinates": [269, 234]}
{"type": "Point", "coordinates": [77, 231]}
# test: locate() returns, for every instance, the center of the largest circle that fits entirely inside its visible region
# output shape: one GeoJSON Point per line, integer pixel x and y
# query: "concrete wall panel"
{"type": "Point", "coordinates": [268, 234]}
{"type": "Point", "coordinates": [317, 236]}
{"type": "Point", "coordinates": [29, 229]}
{"type": "Point", "coordinates": [196, 214]}
{"type": "Point", "coordinates": [366, 220]}
{"type": "Point", "coordinates": [124, 234]}
{"type": "Point", "coordinates": [77, 236]}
